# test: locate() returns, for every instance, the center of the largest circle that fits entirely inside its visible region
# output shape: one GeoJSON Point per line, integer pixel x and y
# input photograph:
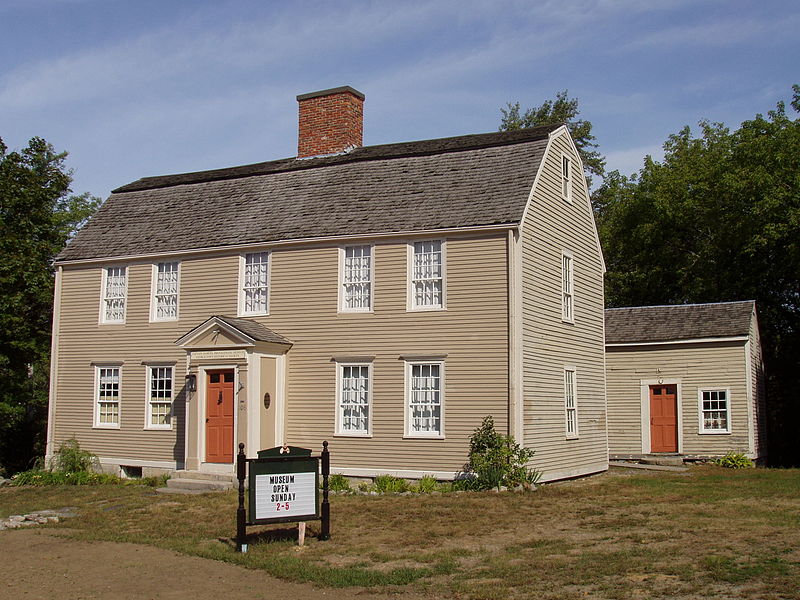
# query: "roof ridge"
{"type": "Point", "coordinates": [409, 149]}
{"type": "Point", "coordinates": [682, 305]}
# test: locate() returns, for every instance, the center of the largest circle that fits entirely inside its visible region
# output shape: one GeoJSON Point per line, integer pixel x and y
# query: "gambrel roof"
{"type": "Point", "coordinates": [466, 181]}
{"type": "Point", "coordinates": [649, 324]}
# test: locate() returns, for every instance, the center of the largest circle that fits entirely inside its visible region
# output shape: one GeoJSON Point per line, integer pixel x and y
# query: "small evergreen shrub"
{"type": "Point", "coordinates": [389, 484]}
{"type": "Point", "coordinates": [496, 460]}
{"type": "Point", "coordinates": [338, 483]}
{"type": "Point", "coordinates": [71, 458]}
{"type": "Point", "coordinates": [734, 460]}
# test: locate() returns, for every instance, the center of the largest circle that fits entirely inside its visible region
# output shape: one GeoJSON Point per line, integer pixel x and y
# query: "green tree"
{"type": "Point", "coordinates": [718, 219]}
{"type": "Point", "coordinates": [552, 112]}
{"type": "Point", "coordinates": [38, 215]}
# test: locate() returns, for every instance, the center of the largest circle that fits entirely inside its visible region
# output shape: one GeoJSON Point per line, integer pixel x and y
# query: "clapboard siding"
{"type": "Point", "coordinates": [552, 226]}
{"type": "Point", "coordinates": [758, 390]}
{"type": "Point", "coordinates": [472, 333]}
{"type": "Point", "coordinates": [696, 366]}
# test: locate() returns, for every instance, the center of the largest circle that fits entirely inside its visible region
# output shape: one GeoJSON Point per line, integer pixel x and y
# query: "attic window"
{"type": "Point", "coordinates": [566, 178]}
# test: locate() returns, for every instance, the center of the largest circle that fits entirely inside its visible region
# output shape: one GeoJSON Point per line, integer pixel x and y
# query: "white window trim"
{"type": "Point", "coordinates": [154, 288]}
{"type": "Point", "coordinates": [410, 302]}
{"type": "Point", "coordinates": [564, 317]}
{"type": "Point", "coordinates": [96, 398]}
{"type": "Point", "coordinates": [338, 432]}
{"type": "Point", "coordinates": [569, 179]}
{"type": "Point", "coordinates": [242, 262]}
{"type": "Point", "coordinates": [720, 388]}
{"type": "Point", "coordinates": [440, 435]}
{"type": "Point", "coordinates": [341, 306]}
{"type": "Point", "coordinates": [147, 404]}
{"type": "Point", "coordinates": [104, 281]}
{"type": "Point", "coordinates": [575, 434]}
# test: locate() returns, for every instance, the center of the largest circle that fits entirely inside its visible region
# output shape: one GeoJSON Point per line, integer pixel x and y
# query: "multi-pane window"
{"type": "Point", "coordinates": [566, 178]}
{"type": "Point", "coordinates": [255, 288]}
{"type": "Point", "coordinates": [159, 398]}
{"type": "Point", "coordinates": [567, 304]}
{"type": "Point", "coordinates": [357, 278]}
{"type": "Point", "coordinates": [107, 400]}
{"type": "Point", "coordinates": [425, 399]}
{"type": "Point", "coordinates": [570, 404]}
{"type": "Point", "coordinates": [354, 400]}
{"type": "Point", "coordinates": [715, 411]}
{"type": "Point", "coordinates": [115, 289]}
{"type": "Point", "coordinates": [427, 275]}
{"type": "Point", "coordinates": [165, 301]}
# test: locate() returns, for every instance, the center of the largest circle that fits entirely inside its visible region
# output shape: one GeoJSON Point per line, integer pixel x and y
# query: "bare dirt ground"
{"type": "Point", "coordinates": [43, 565]}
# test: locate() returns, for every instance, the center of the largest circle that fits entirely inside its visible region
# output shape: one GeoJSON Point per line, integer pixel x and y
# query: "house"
{"type": "Point", "coordinates": [384, 298]}
{"type": "Point", "coordinates": [686, 380]}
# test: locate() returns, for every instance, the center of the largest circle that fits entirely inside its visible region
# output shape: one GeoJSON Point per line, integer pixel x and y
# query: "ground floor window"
{"type": "Point", "coordinates": [424, 382]}
{"type": "Point", "coordinates": [159, 397]}
{"type": "Point", "coordinates": [107, 392]}
{"type": "Point", "coordinates": [714, 411]}
{"type": "Point", "coordinates": [354, 396]}
{"type": "Point", "coordinates": [570, 404]}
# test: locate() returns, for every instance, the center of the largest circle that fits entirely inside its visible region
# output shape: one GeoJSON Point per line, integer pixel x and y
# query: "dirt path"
{"type": "Point", "coordinates": [38, 564]}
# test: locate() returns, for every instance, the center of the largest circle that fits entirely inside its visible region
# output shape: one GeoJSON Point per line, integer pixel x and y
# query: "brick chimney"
{"type": "Point", "coordinates": [331, 121]}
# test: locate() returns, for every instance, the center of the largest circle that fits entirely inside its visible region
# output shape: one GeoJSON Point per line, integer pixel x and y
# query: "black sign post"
{"type": "Point", "coordinates": [283, 487]}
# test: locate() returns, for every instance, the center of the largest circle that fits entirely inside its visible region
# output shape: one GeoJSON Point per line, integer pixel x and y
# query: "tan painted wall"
{"type": "Point", "coordinates": [303, 303]}
{"type": "Point", "coordinates": [696, 366]}
{"type": "Point", "coordinates": [552, 226]}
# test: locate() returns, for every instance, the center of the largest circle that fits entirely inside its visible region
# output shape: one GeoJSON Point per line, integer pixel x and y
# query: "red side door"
{"type": "Point", "coordinates": [219, 416]}
{"type": "Point", "coordinates": [663, 418]}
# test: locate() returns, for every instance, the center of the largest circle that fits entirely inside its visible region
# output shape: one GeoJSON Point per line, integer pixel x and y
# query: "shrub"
{"type": "Point", "coordinates": [71, 458]}
{"type": "Point", "coordinates": [427, 484]}
{"type": "Point", "coordinates": [734, 460]}
{"type": "Point", "coordinates": [388, 484]}
{"type": "Point", "coordinates": [338, 483]}
{"type": "Point", "coordinates": [495, 460]}
{"type": "Point", "coordinates": [40, 477]}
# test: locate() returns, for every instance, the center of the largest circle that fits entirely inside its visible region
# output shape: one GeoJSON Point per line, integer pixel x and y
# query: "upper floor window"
{"type": "Point", "coordinates": [115, 291]}
{"type": "Point", "coordinates": [353, 399]}
{"type": "Point", "coordinates": [567, 294]}
{"type": "Point", "coordinates": [427, 275]}
{"type": "Point", "coordinates": [714, 411]}
{"type": "Point", "coordinates": [425, 398]}
{"type": "Point", "coordinates": [254, 290]}
{"type": "Point", "coordinates": [570, 403]}
{"type": "Point", "coordinates": [165, 291]}
{"type": "Point", "coordinates": [107, 391]}
{"type": "Point", "coordinates": [159, 397]}
{"type": "Point", "coordinates": [566, 178]}
{"type": "Point", "coordinates": [356, 285]}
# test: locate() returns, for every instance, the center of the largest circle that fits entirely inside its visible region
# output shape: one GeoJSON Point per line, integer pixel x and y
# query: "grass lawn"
{"type": "Point", "coordinates": [714, 533]}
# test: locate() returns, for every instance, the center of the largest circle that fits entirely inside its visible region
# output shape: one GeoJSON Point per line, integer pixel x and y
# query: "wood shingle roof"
{"type": "Point", "coordinates": [466, 181]}
{"type": "Point", "coordinates": [678, 322]}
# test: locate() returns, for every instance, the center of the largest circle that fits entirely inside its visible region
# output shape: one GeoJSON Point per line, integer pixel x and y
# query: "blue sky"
{"type": "Point", "coordinates": [141, 87]}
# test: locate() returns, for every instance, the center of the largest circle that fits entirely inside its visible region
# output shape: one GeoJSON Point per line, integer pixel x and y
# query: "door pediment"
{"type": "Point", "coordinates": [229, 332]}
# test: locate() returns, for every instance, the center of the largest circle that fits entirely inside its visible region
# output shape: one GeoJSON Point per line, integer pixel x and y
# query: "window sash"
{"type": "Point", "coordinates": [354, 399]}
{"type": "Point", "coordinates": [714, 407]}
{"type": "Point", "coordinates": [425, 399]}
{"type": "Point", "coordinates": [166, 292]}
{"type": "Point", "coordinates": [567, 309]}
{"type": "Point", "coordinates": [357, 278]}
{"type": "Point", "coordinates": [570, 405]}
{"type": "Point", "coordinates": [114, 294]}
{"type": "Point", "coordinates": [160, 396]}
{"type": "Point", "coordinates": [107, 399]}
{"type": "Point", "coordinates": [427, 275]}
{"type": "Point", "coordinates": [255, 283]}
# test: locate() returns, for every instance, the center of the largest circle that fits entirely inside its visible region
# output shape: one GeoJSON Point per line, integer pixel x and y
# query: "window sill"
{"type": "Point", "coordinates": [157, 428]}
{"type": "Point", "coordinates": [244, 315]}
{"type": "Point", "coordinates": [112, 427]}
{"type": "Point", "coordinates": [172, 320]}
{"type": "Point", "coordinates": [102, 323]}
{"type": "Point", "coordinates": [714, 432]}
{"type": "Point", "coordinates": [568, 321]}
{"type": "Point", "coordinates": [427, 309]}
{"type": "Point", "coordinates": [355, 312]}
{"type": "Point", "coordinates": [353, 435]}
{"type": "Point", "coordinates": [412, 436]}
{"type": "Point", "coordinates": [572, 437]}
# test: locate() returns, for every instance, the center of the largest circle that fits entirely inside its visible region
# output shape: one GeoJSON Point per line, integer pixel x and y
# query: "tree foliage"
{"type": "Point", "coordinates": [38, 214]}
{"type": "Point", "coordinates": [553, 112]}
{"type": "Point", "coordinates": [717, 219]}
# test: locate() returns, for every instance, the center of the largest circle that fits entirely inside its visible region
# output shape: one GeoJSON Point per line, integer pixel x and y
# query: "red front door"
{"type": "Point", "coordinates": [663, 418]}
{"type": "Point", "coordinates": [219, 416]}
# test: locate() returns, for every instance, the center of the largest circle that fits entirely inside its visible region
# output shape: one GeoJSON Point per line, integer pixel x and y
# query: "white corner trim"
{"type": "Point", "coordinates": [748, 369]}
{"type": "Point", "coordinates": [51, 408]}
{"type": "Point", "coordinates": [515, 376]}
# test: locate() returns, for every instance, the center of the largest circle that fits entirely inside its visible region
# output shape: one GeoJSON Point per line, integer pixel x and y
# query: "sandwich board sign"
{"type": "Point", "coordinates": [283, 486]}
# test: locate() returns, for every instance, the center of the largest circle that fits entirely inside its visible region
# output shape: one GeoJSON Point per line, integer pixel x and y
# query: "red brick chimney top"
{"type": "Point", "coordinates": [331, 121]}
